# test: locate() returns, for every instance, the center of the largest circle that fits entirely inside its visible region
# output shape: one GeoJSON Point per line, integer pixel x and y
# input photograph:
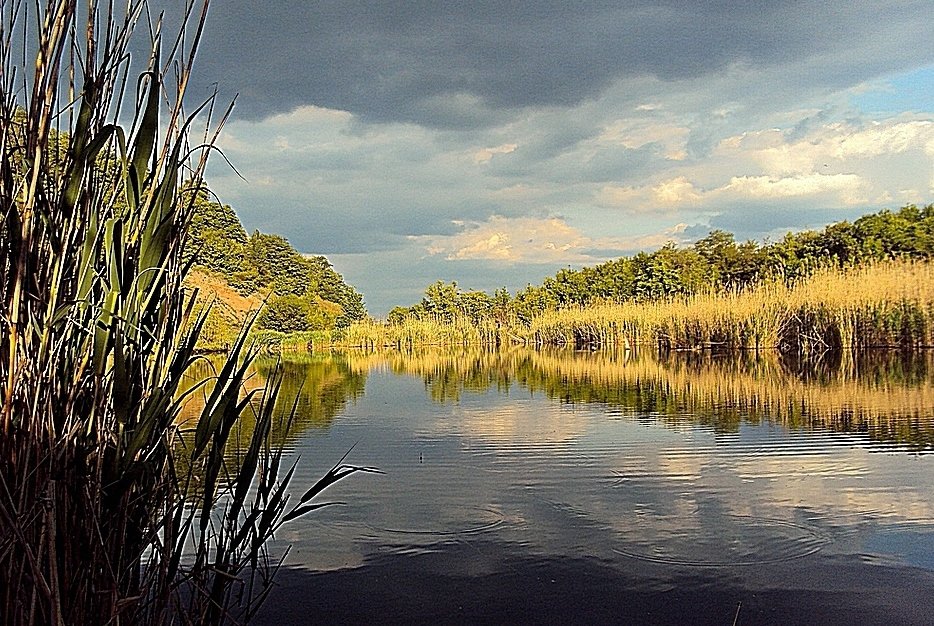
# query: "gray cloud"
{"type": "Point", "coordinates": [455, 64]}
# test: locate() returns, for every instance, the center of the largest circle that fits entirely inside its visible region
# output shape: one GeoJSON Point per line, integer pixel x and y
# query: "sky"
{"type": "Point", "coordinates": [493, 143]}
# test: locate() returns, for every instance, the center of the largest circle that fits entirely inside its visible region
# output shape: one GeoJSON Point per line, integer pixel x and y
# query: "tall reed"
{"type": "Point", "coordinates": [108, 512]}
{"type": "Point", "coordinates": [887, 304]}
{"type": "Point", "coordinates": [419, 331]}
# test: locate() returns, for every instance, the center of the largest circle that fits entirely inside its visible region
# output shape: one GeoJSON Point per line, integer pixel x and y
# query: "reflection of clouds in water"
{"type": "Point", "coordinates": [911, 508]}
{"type": "Point", "coordinates": [522, 424]}
{"type": "Point", "coordinates": [850, 482]}
{"type": "Point", "coordinates": [796, 467]}
{"type": "Point", "coordinates": [331, 548]}
{"type": "Point", "coordinates": [696, 481]}
{"type": "Point", "coordinates": [682, 467]}
{"type": "Point", "coordinates": [648, 493]}
{"type": "Point", "coordinates": [712, 498]}
{"type": "Point", "coordinates": [677, 515]}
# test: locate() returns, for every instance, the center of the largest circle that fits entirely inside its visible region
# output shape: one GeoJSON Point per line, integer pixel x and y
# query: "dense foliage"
{"type": "Point", "coordinates": [305, 293]}
{"type": "Point", "coordinates": [715, 263]}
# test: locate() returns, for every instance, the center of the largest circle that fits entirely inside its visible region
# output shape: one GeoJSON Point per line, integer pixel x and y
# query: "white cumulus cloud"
{"type": "Point", "coordinates": [840, 164]}
{"type": "Point", "coordinates": [847, 187]}
{"type": "Point", "coordinates": [536, 240]}
{"type": "Point", "coordinates": [668, 194]}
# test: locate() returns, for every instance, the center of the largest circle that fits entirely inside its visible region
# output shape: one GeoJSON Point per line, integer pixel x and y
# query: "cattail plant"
{"type": "Point", "coordinates": [109, 511]}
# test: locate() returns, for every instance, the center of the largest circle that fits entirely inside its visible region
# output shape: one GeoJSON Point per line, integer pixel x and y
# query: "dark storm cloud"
{"type": "Point", "coordinates": [373, 231]}
{"type": "Point", "coordinates": [458, 64]}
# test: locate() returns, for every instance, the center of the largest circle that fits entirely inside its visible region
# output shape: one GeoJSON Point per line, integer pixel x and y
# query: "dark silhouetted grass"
{"type": "Point", "coordinates": [109, 512]}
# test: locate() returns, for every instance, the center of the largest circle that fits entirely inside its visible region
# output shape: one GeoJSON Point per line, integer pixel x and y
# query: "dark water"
{"type": "Point", "coordinates": [557, 487]}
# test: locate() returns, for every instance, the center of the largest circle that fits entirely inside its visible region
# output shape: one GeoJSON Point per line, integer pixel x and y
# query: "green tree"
{"type": "Point", "coordinates": [615, 279]}
{"type": "Point", "coordinates": [569, 287]}
{"type": "Point", "coordinates": [327, 284]}
{"type": "Point", "coordinates": [278, 265]}
{"type": "Point", "coordinates": [440, 301]}
{"type": "Point", "coordinates": [215, 238]}
{"type": "Point", "coordinates": [288, 313]}
{"type": "Point", "coordinates": [477, 306]}
{"type": "Point", "coordinates": [398, 314]}
{"type": "Point", "coordinates": [667, 272]}
{"type": "Point", "coordinates": [532, 302]}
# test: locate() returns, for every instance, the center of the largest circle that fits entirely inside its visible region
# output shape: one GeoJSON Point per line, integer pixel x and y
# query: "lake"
{"type": "Point", "coordinates": [612, 487]}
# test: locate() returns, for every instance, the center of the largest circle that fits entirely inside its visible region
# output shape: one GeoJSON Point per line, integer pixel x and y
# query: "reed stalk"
{"type": "Point", "coordinates": [110, 512]}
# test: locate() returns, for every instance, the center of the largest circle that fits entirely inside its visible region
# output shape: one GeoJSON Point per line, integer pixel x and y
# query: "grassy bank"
{"type": "Point", "coordinates": [228, 312]}
{"type": "Point", "coordinates": [885, 304]}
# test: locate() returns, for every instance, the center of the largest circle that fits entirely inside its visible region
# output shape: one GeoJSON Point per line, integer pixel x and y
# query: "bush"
{"type": "Point", "coordinates": [289, 314]}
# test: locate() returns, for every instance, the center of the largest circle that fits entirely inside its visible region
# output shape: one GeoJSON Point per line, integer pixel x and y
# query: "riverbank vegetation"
{"type": "Point", "coordinates": [880, 305]}
{"type": "Point", "coordinates": [110, 511]}
{"type": "Point", "coordinates": [856, 285]}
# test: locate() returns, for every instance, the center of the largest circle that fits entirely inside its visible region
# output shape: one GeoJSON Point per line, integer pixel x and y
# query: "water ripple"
{"type": "Point", "coordinates": [742, 540]}
{"type": "Point", "coordinates": [478, 520]}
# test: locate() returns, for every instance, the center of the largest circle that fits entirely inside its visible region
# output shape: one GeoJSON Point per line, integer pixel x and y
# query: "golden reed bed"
{"type": "Point", "coordinates": [887, 304]}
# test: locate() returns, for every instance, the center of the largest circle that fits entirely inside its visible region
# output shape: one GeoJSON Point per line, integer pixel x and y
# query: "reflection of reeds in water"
{"type": "Point", "coordinates": [887, 396]}
{"type": "Point", "coordinates": [724, 392]}
{"type": "Point", "coordinates": [317, 386]}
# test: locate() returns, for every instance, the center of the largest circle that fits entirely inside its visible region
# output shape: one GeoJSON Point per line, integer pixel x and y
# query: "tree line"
{"type": "Point", "coordinates": [715, 263]}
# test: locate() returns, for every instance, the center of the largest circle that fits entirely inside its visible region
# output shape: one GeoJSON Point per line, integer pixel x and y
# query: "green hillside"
{"type": "Point", "coordinates": [302, 294]}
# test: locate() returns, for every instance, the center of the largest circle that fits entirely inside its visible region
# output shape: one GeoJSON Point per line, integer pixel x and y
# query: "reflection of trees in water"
{"type": "Point", "coordinates": [319, 387]}
{"type": "Point", "coordinates": [321, 383]}
{"type": "Point", "coordinates": [885, 394]}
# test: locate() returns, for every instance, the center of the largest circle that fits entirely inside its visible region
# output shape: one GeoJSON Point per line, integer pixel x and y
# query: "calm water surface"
{"type": "Point", "coordinates": [556, 487]}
